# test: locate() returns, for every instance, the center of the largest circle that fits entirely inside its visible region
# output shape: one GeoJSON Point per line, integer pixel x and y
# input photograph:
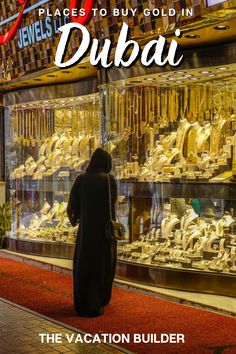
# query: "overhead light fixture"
{"type": "Point", "coordinates": [221, 27]}
{"type": "Point", "coordinates": [192, 36]}
{"type": "Point", "coordinates": [204, 72]}
{"type": "Point", "coordinates": [223, 68]}
{"type": "Point", "coordinates": [181, 72]}
{"type": "Point", "coordinates": [188, 75]}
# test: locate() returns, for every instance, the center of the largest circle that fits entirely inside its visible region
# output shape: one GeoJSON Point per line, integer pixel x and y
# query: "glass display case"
{"type": "Point", "coordinates": [172, 137]}
{"type": "Point", "coordinates": [48, 143]}
{"type": "Point", "coordinates": [175, 167]}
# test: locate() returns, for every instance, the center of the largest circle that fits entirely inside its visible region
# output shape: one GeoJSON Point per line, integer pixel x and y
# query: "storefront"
{"type": "Point", "coordinates": [176, 171]}
{"type": "Point", "coordinates": [172, 136]}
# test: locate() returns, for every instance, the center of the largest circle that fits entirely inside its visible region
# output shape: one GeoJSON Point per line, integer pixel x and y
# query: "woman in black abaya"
{"type": "Point", "coordinates": [95, 255]}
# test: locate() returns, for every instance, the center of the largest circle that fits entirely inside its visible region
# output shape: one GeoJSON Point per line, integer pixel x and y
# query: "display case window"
{"type": "Point", "coordinates": [48, 143]}
{"type": "Point", "coordinates": [172, 137]}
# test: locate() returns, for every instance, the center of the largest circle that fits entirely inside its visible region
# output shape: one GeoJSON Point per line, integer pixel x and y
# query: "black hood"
{"type": "Point", "coordinates": [100, 162]}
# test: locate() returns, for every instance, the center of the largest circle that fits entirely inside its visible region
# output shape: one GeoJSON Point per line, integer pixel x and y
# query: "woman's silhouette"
{"type": "Point", "coordinates": [95, 255]}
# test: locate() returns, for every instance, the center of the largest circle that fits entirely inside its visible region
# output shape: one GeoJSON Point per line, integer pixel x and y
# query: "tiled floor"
{"type": "Point", "coordinates": [19, 333]}
{"type": "Point", "coordinates": [223, 304]}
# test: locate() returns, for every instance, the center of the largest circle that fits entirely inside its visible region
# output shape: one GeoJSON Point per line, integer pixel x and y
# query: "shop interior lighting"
{"type": "Point", "coordinates": [223, 68]}
{"type": "Point", "coordinates": [221, 27]}
{"type": "Point", "coordinates": [192, 36]}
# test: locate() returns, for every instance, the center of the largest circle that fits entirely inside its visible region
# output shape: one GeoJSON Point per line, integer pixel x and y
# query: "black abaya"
{"type": "Point", "coordinates": [95, 255]}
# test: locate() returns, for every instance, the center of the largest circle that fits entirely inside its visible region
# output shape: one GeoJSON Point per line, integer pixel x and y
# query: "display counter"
{"type": "Point", "coordinates": [176, 169]}
{"type": "Point", "coordinates": [49, 142]}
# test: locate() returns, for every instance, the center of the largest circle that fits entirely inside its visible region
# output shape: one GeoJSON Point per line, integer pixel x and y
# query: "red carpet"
{"type": "Point", "coordinates": [51, 294]}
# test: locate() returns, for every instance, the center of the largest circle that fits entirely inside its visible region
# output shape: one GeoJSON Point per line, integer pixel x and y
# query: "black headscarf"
{"type": "Point", "coordinates": [100, 162]}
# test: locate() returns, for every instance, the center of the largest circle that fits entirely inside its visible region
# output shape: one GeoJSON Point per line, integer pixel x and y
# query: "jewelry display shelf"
{"type": "Point", "coordinates": [180, 279]}
{"type": "Point", "coordinates": [46, 184]}
{"type": "Point", "coordinates": [40, 248]}
{"type": "Point", "coordinates": [179, 189]}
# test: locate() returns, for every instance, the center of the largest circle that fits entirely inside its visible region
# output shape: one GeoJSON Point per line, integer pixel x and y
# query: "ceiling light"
{"type": "Point", "coordinates": [205, 72]}
{"type": "Point", "coordinates": [221, 27]}
{"type": "Point", "coordinates": [192, 36]}
{"type": "Point", "coordinates": [223, 68]}
{"type": "Point", "coordinates": [188, 75]}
